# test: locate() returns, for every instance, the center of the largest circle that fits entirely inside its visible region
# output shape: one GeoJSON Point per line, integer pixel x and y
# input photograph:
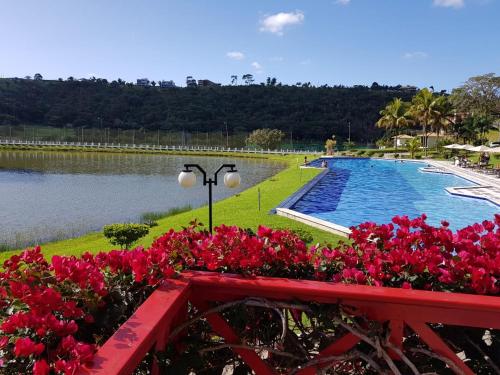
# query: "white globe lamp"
{"type": "Point", "coordinates": [232, 180]}
{"type": "Point", "coordinates": [187, 179]}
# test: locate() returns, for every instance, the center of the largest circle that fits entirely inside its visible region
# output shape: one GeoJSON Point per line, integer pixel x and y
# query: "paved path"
{"type": "Point", "coordinates": [488, 185]}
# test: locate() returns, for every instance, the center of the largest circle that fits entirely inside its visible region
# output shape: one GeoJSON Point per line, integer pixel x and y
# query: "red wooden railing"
{"type": "Point", "coordinates": [149, 326]}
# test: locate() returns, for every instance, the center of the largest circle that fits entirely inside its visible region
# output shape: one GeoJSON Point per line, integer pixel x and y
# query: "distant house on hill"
{"type": "Point", "coordinates": [142, 82]}
{"type": "Point", "coordinates": [207, 83]}
{"type": "Point", "coordinates": [190, 81]}
{"type": "Point", "coordinates": [167, 84]}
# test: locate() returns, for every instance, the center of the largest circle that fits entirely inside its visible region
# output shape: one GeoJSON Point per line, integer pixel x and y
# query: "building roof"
{"type": "Point", "coordinates": [403, 136]}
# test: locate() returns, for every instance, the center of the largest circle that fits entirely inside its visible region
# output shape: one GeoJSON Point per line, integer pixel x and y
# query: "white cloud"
{"type": "Point", "coordinates": [415, 55]}
{"type": "Point", "coordinates": [276, 23]}
{"type": "Point", "coordinates": [305, 62]}
{"type": "Point", "coordinates": [235, 55]}
{"type": "Point", "coordinates": [276, 58]}
{"type": "Point", "coordinates": [342, 2]}
{"type": "Point", "coordinates": [449, 3]}
{"type": "Point", "coordinates": [256, 65]}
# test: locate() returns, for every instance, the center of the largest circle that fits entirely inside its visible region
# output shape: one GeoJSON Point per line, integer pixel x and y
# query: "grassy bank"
{"type": "Point", "coordinates": [241, 210]}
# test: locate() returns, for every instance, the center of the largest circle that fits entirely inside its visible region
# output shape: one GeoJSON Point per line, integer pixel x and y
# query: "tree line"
{"type": "Point", "coordinates": [467, 114]}
{"type": "Point", "coordinates": [301, 111]}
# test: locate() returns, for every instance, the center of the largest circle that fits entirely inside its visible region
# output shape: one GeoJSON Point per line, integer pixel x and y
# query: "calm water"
{"type": "Point", "coordinates": [47, 195]}
{"type": "Point", "coordinates": [359, 190]}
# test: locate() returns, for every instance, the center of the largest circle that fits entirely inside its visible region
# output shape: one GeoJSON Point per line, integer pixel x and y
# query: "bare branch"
{"type": "Point", "coordinates": [449, 362]}
{"type": "Point", "coordinates": [254, 348]}
{"type": "Point", "coordinates": [486, 357]}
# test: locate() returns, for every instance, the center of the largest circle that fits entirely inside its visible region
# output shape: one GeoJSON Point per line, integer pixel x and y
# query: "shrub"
{"type": "Point", "coordinates": [52, 316]}
{"type": "Point", "coordinates": [360, 152]}
{"type": "Point", "coordinates": [125, 235]}
{"type": "Point", "coordinates": [265, 138]}
{"type": "Point", "coordinates": [370, 153]}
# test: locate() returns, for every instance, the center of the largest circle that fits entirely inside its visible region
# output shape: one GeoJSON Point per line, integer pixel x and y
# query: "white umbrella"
{"type": "Point", "coordinates": [467, 147]}
{"type": "Point", "coordinates": [454, 146]}
{"type": "Point", "coordinates": [481, 148]}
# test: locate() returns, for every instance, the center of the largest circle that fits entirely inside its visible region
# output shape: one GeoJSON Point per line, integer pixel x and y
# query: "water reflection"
{"type": "Point", "coordinates": [48, 195]}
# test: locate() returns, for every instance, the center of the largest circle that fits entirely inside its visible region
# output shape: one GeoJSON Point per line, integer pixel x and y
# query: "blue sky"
{"type": "Point", "coordinates": [416, 42]}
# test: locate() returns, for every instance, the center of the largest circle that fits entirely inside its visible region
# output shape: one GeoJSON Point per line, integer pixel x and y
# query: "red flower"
{"type": "Point", "coordinates": [25, 347]}
{"type": "Point", "coordinates": [41, 367]}
{"type": "Point", "coordinates": [4, 340]}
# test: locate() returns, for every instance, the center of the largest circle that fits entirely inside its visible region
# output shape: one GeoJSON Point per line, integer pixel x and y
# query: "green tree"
{"type": "Point", "coordinates": [473, 128]}
{"type": "Point", "coordinates": [479, 95]}
{"type": "Point", "coordinates": [394, 116]}
{"type": "Point", "coordinates": [482, 124]}
{"type": "Point", "coordinates": [265, 138]}
{"type": "Point", "coordinates": [37, 77]}
{"type": "Point", "coordinates": [125, 235]}
{"type": "Point", "coordinates": [413, 145]}
{"type": "Point", "coordinates": [423, 110]}
{"type": "Point", "coordinates": [443, 116]}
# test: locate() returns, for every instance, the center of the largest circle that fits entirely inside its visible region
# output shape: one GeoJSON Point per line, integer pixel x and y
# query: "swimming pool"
{"type": "Point", "coordinates": [359, 190]}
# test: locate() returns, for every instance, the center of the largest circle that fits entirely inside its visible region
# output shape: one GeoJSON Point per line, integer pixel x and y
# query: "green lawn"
{"type": "Point", "coordinates": [240, 209]}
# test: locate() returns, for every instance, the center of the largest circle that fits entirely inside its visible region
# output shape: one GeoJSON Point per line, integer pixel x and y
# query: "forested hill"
{"type": "Point", "coordinates": [308, 112]}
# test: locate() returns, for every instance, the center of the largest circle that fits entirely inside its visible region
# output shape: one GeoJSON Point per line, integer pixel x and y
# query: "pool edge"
{"type": "Point", "coordinates": [284, 208]}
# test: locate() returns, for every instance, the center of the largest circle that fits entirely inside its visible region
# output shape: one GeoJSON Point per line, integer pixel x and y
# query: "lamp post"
{"type": "Point", "coordinates": [349, 124]}
{"type": "Point", "coordinates": [187, 179]}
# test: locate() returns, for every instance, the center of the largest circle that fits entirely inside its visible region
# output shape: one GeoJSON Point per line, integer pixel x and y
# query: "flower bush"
{"type": "Point", "coordinates": [54, 315]}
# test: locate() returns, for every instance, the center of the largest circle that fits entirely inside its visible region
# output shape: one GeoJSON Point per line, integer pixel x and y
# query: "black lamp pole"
{"type": "Point", "coordinates": [209, 182]}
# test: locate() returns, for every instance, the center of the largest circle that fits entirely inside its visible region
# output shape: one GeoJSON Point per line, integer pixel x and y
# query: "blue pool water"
{"type": "Point", "coordinates": [359, 190]}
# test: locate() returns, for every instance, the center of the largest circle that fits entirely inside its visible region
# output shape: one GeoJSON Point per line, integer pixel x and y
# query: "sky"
{"type": "Point", "coordinates": [437, 43]}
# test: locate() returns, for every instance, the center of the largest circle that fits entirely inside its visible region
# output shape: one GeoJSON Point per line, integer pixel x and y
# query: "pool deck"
{"type": "Point", "coordinates": [487, 188]}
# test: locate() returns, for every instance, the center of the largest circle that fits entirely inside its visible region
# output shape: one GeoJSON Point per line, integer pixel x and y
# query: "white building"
{"type": "Point", "coordinates": [142, 82]}
{"type": "Point", "coordinates": [190, 81]}
{"type": "Point", "coordinates": [167, 84]}
{"type": "Point", "coordinates": [400, 140]}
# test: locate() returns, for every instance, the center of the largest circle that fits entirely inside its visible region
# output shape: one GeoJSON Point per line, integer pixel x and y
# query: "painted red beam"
{"type": "Point", "coordinates": [151, 322]}
{"type": "Point", "coordinates": [123, 351]}
{"type": "Point", "coordinates": [380, 303]}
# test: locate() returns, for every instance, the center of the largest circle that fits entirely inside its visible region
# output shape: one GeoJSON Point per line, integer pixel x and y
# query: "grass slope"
{"type": "Point", "coordinates": [241, 210]}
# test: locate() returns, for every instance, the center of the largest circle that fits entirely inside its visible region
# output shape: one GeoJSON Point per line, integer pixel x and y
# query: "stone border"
{"type": "Point", "coordinates": [284, 208]}
{"type": "Point", "coordinates": [314, 222]}
{"type": "Point", "coordinates": [292, 199]}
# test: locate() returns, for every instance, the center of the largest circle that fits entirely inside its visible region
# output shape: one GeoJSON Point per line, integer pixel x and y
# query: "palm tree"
{"type": "Point", "coordinates": [394, 116]}
{"type": "Point", "coordinates": [443, 116]}
{"type": "Point", "coordinates": [423, 110]}
{"type": "Point", "coordinates": [413, 145]}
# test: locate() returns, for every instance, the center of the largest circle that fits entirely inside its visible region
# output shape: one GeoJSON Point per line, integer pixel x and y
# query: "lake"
{"type": "Point", "coordinates": [53, 195]}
